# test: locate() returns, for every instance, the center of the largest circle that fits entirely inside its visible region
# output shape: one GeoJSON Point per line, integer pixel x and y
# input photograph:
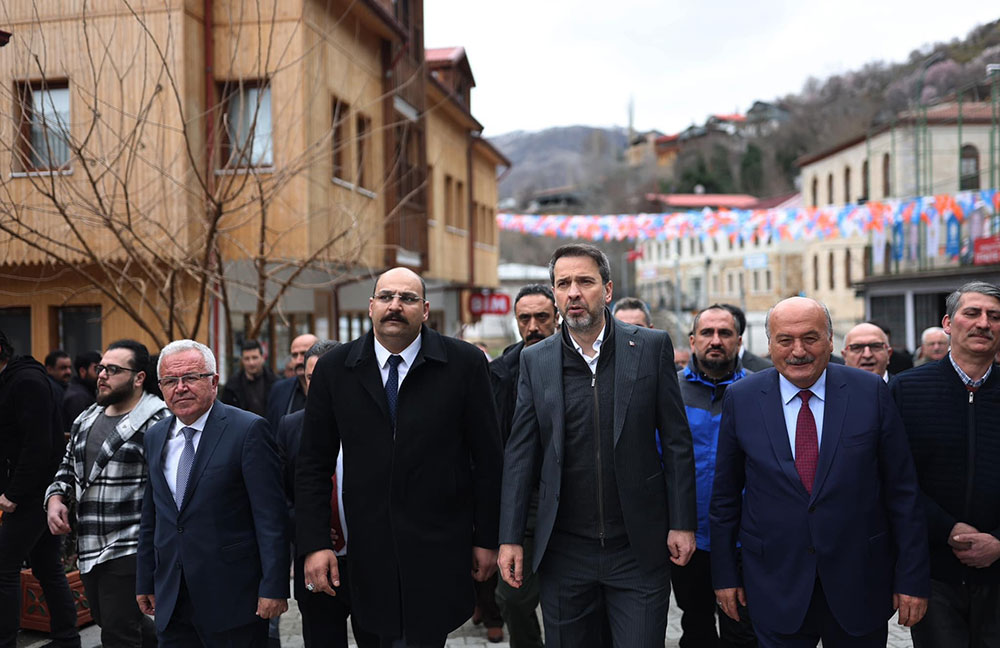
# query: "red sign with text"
{"type": "Point", "coordinates": [986, 251]}
{"type": "Point", "coordinates": [489, 304]}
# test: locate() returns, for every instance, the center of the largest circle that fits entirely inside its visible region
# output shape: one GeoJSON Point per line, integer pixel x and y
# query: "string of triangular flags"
{"type": "Point", "coordinates": [882, 219]}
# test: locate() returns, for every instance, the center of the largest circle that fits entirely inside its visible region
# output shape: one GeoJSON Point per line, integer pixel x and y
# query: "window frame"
{"type": "Point", "coordinates": [27, 156]}
{"type": "Point", "coordinates": [242, 158]}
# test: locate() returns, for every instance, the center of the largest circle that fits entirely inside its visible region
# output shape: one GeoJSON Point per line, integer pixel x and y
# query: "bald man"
{"type": "Point", "coordinates": [866, 347]}
{"type": "Point", "coordinates": [288, 395]}
{"type": "Point", "coordinates": [814, 479]}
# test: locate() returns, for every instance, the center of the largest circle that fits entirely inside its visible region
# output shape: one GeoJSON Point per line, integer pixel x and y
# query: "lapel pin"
{"type": "Point", "coordinates": [631, 343]}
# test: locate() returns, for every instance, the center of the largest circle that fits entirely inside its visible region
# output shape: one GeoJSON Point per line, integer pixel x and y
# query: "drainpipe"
{"type": "Point", "coordinates": [470, 141]}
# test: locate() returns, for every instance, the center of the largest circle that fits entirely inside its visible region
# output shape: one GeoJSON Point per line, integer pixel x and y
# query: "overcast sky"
{"type": "Point", "coordinates": [542, 63]}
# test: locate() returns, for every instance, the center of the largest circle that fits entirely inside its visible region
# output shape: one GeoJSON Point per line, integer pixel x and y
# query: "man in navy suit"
{"type": "Point", "coordinates": [288, 395]}
{"type": "Point", "coordinates": [814, 478]}
{"type": "Point", "coordinates": [213, 542]}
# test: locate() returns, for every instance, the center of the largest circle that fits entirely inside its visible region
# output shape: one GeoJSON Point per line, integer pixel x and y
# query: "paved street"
{"type": "Point", "coordinates": [467, 635]}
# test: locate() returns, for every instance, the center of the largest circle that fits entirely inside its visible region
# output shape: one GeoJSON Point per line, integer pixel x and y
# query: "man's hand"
{"type": "Point", "coordinates": [681, 545]}
{"type": "Point", "coordinates": [511, 564]}
{"type": "Point", "coordinates": [321, 570]}
{"type": "Point", "coordinates": [484, 563]}
{"type": "Point", "coordinates": [960, 528]}
{"type": "Point", "coordinates": [728, 599]}
{"type": "Point", "coordinates": [6, 505]}
{"type": "Point", "coordinates": [983, 551]}
{"type": "Point", "coordinates": [57, 515]}
{"type": "Point", "coordinates": [147, 603]}
{"type": "Point", "coordinates": [268, 608]}
{"type": "Point", "coordinates": [911, 609]}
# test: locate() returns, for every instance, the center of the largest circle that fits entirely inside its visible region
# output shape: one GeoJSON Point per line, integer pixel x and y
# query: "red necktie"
{"type": "Point", "coordinates": [335, 517]}
{"type": "Point", "coordinates": [806, 444]}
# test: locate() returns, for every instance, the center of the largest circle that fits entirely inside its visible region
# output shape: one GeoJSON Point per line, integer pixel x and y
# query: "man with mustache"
{"type": "Point", "coordinates": [951, 409]}
{"type": "Point", "coordinates": [814, 480]}
{"type": "Point", "coordinates": [289, 394]}
{"type": "Point", "coordinates": [412, 412]}
{"type": "Point", "coordinates": [536, 317]}
{"type": "Point", "coordinates": [104, 472]}
{"type": "Point", "coordinates": [714, 367]}
{"type": "Point", "coordinates": [866, 347]}
{"type": "Point", "coordinates": [612, 512]}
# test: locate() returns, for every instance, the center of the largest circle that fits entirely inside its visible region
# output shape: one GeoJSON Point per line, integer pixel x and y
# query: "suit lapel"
{"type": "Point", "coordinates": [550, 361]}
{"type": "Point", "coordinates": [628, 350]}
{"type": "Point", "coordinates": [215, 426]}
{"type": "Point", "coordinates": [834, 413]}
{"type": "Point", "coordinates": [771, 409]}
{"type": "Point", "coordinates": [156, 454]}
{"type": "Point", "coordinates": [363, 362]}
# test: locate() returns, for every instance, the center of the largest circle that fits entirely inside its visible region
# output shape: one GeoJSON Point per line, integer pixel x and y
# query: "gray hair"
{"type": "Point", "coordinates": [633, 303]}
{"type": "Point", "coordinates": [177, 346]}
{"type": "Point", "coordinates": [981, 287]}
{"type": "Point", "coordinates": [826, 312]}
{"type": "Point", "coordinates": [929, 330]}
{"type": "Point", "coordinates": [321, 348]}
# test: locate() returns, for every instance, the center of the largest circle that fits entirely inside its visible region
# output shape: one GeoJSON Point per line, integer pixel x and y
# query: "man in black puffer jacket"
{"type": "Point", "coordinates": [31, 443]}
{"type": "Point", "coordinates": [951, 410]}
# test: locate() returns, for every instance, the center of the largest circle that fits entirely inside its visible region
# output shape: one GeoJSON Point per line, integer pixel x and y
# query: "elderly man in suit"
{"type": "Point", "coordinates": [815, 480]}
{"type": "Point", "coordinates": [612, 513]}
{"type": "Point", "coordinates": [413, 411]}
{"type": "Point", "coordinates": [213, 542]}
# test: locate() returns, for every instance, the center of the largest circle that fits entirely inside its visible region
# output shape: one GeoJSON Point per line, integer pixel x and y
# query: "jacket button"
{"type": "Point", "coordinates": [811, 550]}
{"type": "Point", "coordinates": [812, 509]}
{"type": "Point", "coordinates": [180, 529]}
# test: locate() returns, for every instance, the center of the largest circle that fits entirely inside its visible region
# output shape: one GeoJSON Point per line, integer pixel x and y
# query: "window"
{"type": "Point", "coordinates": [79, 329]}
{"type": "Point", "coordinates": [461, 218]}
{"type": "Point", "coordinates": [16, 323]}
{"type": "Point", "coordinates": [45, 126]}
{"type": "Point", "coordinates": [864, 181]}
{"type": "Point", "coordinates": [970, 168]}
{"type": "Point", "coordinates": [829, 189]}
{"type": "Point", "coordinates": [815, 273]}
{"type": "Point", "coordinates": [829, 265]}
{"type": "Point", "coordinates": [246, 129]}
{"type": "Point", "coordinates": [730, 287]}
{"type": "Point", "coordinates": [886, 186]}
{"type": "Point", "coordinates": [364, 150]}
{"type": "Point", "coordinates": [449, 202]}
{"type": "Point", "coordinates": [847, 185]}
{"type": "Point", "coordinates": [767, 280]}
{"type": "Point", "coordinates": [815, 192]}
{"type": "Point", "coordinates": [340, 137]}
{"type": "Point", "coordinates": [847, 267]}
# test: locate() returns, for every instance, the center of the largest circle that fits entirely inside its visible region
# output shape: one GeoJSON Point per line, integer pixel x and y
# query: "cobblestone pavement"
{"type": "Point", "coordinates": [467, 635]}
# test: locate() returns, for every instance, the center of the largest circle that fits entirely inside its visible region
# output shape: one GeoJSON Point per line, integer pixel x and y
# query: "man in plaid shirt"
{"type": "Point", "coordinates": [104, 472]}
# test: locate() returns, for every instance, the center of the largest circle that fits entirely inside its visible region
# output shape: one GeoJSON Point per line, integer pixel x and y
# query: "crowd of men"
{"type": "Point", "coordinates": [591, 467]}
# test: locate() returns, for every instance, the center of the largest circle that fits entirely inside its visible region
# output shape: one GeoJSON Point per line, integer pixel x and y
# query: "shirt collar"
{"type": "Point", "coordinates": [969, 382]}
{"type": "Point", "coordinates": [198, 425]}
{"type": "Point", "coordinates": [790, 391]}
{"type": "Point", "coordinates": [408, 354]}
{"type": "Point", "coordinates": [597, 343]}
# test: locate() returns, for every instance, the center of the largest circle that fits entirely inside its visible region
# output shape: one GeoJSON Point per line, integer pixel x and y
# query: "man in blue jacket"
{"type": "Point", "coordinates": [714, 366]}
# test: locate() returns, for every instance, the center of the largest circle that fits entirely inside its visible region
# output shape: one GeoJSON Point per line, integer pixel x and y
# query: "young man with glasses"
{"type": "Point", "coordinates": [866, 347]}
{"type": "Point", "coordinates": [213, 546]}
{"type": "Point", "coordinates": [104, 472]}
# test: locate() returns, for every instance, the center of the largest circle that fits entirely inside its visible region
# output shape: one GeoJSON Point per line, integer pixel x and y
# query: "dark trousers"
{"type": "Point", "coordinates": [960, 616]}
{"type": "Point", "coordinates": [25, 534]}
{"type": "Point", "coordinates": [110, 589]}
{"type": "Point", "coordinates": [486, 602]}
{"type": "Point", "coordinates": [582, 583]}
{"type": "Point", "coordinates": [820, 624]}
{"type": "Point", "coordinates": [695, 597]}
{"type": "Point", "coordinates": [181, 631]}
{"type": "Point", "coordinates": [518, 605]}
{"type": "Point", "coordinates": [324, 617]}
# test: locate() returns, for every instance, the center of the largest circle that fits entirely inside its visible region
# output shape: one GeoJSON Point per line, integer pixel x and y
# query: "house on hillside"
{"type": "Point", "coordinates": [322, 146]}
{"type": "Point", "coordinates": [764, 118]}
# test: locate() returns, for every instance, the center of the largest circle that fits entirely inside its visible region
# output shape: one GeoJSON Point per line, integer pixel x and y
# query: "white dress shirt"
{"type": "Point", "coordinates": [791, 404]}
{"type": "Point", "coordinates": [175, 446]}
{"type": "Point", "coordinates": [409, 354]}
{"type": "Point", "coordinates": [340, 498]}
{"type": "Point", "coordinates": [591, 362]}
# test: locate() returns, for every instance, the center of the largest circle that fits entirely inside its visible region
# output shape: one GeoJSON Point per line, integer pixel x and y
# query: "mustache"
{"type": "Point", "coordinates": [535, 336]}
{"type": "Point", "coordinates": [801, 361]}
{"type": "Point", "coordinates": [394, 317]}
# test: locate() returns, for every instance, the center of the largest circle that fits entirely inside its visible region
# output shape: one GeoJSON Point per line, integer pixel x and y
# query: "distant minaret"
{"type": "Point", "coordinates": [631, 118]}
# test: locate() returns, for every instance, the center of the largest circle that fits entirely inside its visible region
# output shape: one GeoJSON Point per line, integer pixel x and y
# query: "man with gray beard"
{"type": "Point", "coordinates": [104, 472]}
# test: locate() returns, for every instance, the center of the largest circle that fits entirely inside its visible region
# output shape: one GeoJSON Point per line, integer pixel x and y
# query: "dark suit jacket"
{"type": "Point", "coordinates": [755, 363]}
{"type": "Point", "coordinates": [654, 497]}
{"type": "Point", "coordinates": [277, 400]}
{"type": "Point", "coordinates": [861, 532]}
{"type": "Point", "coordinates": [416, 501]}
{"type": "Point", "coordinates": [229, 540]}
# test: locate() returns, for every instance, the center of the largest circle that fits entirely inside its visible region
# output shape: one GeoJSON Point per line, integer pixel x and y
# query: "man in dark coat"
{"type": "Point", "coordinates": [82, 390]}
{"type": "Point", "coordinates": [288, 395]}
{"type": "Point", "coordinates": [414, 413]}
{"type": "Point", "coordinates": [249, 388]}
{"type": "Point", "coordinates": [31, 443]}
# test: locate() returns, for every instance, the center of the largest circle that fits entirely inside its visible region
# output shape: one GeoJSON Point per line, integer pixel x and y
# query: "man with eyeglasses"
{"type": "Point", "coordinates": [104, 472]}
{"type": "Point", "coordinates": [414, 414]}
{"type": "Point", "coordinates": [213, 543]}
{"type": "Point", "coordinates": [866, 347]}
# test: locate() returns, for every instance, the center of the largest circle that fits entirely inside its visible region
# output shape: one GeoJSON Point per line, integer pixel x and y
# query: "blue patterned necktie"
{"type": "Point", "coordinates": [184, 465]}
{"type": "Point", "coordinates": [392, 386]}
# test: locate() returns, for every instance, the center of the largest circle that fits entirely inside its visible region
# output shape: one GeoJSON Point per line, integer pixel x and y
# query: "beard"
{"type": "Point", "coordinates": [116, 395]}
{"type": "Point", "coordinates": [716, 364]}
{"type": "Point", "coordinates": [582, 322]}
